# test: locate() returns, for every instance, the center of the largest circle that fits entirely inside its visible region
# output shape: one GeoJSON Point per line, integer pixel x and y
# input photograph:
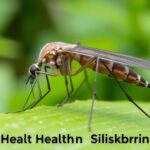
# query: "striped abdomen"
{"type": "Point", "coordinates": [120, 71]}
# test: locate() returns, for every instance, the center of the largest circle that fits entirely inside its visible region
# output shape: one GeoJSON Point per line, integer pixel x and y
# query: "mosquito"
{"type": "Point", "coordinates": [58, 57]}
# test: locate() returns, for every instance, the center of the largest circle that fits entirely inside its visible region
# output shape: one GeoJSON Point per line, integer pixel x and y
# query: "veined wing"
{"type": "Point", "coordinates": [111, 56]}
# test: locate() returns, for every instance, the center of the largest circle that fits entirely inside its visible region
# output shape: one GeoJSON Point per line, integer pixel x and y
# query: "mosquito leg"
{"type": "Point", "coordinates": [124, 92]}
{"type": "Point", "coordinates": [40, 93]}
{"type": "Point", "coordinates": [82, 68]}
{"type": "Point", "coordinates": [68, 92]}
{"type": "Point", "coordinates": [67, 87]}
{"type": "Point", "coordinates": [71, 84]}
{"type": "Point", "coordinates": [47, 80]}
{"type": "Point", "coordinates": [94, 94]}
{"type": "Point", "coordinates": [72, 92]}
{"type": "Point", "coordinates": [32, 87]}
{"type": "Point", "coordinates": [85, 80]}
{"type": "Point", "coordinates": [88, 84]}
{"type": "Point", "coordinates": [65, 68]}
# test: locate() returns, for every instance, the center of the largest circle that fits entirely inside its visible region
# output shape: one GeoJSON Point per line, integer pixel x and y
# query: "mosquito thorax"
{"type": "Point", "coordinates": [33, 69]}
{"type": "Point", "coordinates": [60, 60]}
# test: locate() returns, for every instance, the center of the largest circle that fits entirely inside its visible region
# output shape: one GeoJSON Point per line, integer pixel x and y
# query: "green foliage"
{"type": "Point", "coordinates": [8, 9]}
{"type": "Point", "coordinates": [9, 49]}
{"type": "Point", "coordinates": [108, 118]}
{"type": "Point", "coordinates": [26, 26]}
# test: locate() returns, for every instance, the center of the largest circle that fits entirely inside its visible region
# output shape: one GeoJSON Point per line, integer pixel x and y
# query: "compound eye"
{"type": "Point", "coordinates": [33, 69]}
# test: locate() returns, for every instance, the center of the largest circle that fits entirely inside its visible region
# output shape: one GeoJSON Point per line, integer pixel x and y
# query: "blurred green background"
{"type": "Point", "coordinates": [25, 26]}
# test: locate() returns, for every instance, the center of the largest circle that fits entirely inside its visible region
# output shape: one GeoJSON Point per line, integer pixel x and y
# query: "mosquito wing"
{"type": "Point", "coordinates": [110, 56]}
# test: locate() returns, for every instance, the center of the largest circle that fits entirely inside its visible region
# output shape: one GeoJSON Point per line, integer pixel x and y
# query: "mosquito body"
{"type": "Point", "coordinates": [58, 56]}
{"type": "Point", "coordinates": [53, 55]}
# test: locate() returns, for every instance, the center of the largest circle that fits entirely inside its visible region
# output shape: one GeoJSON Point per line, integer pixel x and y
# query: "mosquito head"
{"type": "Point", "coordinates": [33, 69]}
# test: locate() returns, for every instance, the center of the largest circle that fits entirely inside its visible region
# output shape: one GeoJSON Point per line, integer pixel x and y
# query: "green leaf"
{"type": "Point", "coordinates": [9, 49]}
{"type": "Point", "coordinates": [108, 118]}
{"type": "Point", "coordinates": [8, 9]}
